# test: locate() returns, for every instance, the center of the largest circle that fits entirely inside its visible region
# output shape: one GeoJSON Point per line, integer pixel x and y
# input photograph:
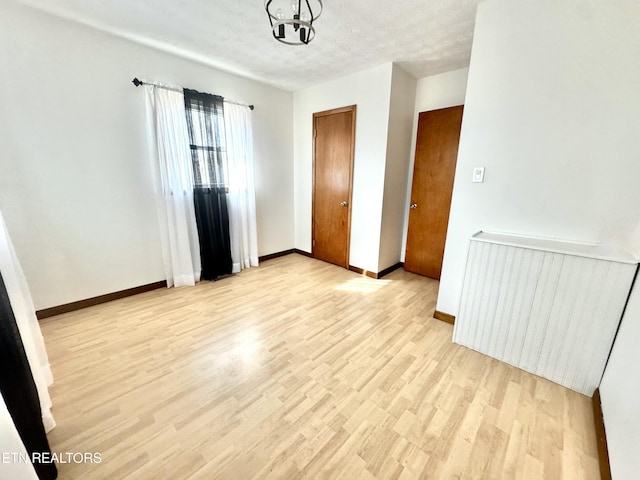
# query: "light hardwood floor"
{"type": "Point", "coordinates": [300, 369]}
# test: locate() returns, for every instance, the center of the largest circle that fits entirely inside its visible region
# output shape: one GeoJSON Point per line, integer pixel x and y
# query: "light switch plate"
{"type": "Point", "coordinates": [478, 175]}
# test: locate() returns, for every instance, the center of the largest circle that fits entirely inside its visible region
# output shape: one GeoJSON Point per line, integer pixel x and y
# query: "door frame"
{"type": "Point", "coordinates": [353, 110]}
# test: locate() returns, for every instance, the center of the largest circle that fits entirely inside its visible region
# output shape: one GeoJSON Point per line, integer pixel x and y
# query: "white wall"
{"type": "Point", "coordinates": [74, 183]}
{"type": "Point", "coordinates": [551, 111]}
{"type": "Point", "coordinates": [403, 94]}
{"type": "Point", "coordinates": [440, 91]}
{"type": "Point", "coordinates": [432, 93]}
{"type": "Point", "coordinates": [370, 90]}
{"type": "Point", "coordinates": [620, 390]}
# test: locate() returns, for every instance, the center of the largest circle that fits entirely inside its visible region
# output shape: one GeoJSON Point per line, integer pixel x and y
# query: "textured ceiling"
{"type": "Point", "coordinates": [424, 37]}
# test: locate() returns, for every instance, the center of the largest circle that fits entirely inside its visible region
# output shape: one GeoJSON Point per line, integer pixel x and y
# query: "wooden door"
{"type": "Point", "coordinates": [433, 173]}
{"type": "Point", "coordinates": [334, 136]}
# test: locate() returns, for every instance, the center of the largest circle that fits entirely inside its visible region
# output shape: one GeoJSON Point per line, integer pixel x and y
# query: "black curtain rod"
{"type": "Point", "coordinates": [138, 82]}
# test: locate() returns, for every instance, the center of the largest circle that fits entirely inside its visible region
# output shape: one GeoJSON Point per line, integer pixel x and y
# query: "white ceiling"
{"type": "Point", "coordinates": [424, 37]}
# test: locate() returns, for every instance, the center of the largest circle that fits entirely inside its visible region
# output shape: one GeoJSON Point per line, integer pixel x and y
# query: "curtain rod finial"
{"type": "Point", "coordinates": [136, 82]}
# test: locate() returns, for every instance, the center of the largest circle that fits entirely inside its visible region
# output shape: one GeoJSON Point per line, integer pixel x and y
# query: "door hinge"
{"type": "Point", "coordinates": [315, 133]}
{"type": "Point", "coordinates": [313, 243]}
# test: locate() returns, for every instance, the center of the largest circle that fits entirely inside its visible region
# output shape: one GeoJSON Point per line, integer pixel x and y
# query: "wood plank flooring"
{"type": "Point", "coordinates": [301, 369]}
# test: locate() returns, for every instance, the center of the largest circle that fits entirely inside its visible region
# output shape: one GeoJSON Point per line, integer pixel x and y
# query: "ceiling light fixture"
{"type": "Point", "coordinates": [295, 27]}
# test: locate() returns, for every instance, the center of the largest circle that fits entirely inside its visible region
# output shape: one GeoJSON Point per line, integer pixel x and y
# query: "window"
{"type": "Point", "coordinates": [205, 120]}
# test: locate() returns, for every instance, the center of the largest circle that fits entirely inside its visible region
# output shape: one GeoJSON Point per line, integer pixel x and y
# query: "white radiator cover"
{"type": "Point", "coordinates": [548, 307]}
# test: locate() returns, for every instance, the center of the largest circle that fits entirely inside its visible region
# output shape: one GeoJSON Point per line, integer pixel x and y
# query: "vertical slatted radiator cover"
{"type": "Point", "coordinates": [551, 308]}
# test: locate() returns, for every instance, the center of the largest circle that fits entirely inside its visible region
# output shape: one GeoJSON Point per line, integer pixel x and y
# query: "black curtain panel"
{"type": "Point", "coordinates": [212, 218]}
{"type": "Point", "coordinates": [205, 121]}
{"type": "Point", "coordinates": [19, 390]}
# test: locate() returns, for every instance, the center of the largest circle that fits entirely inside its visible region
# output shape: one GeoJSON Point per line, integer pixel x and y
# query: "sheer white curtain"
{"type": "Point", "coordinates": [171, 162]}
{"type": "Point", "coordinates": [242, 199]}
{"type": "Point", "coordinates": [25, 314]}
{"type": "Point", "coordinates": [10, 442]}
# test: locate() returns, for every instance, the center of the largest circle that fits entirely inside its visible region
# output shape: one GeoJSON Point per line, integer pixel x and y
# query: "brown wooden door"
{"type": "Point", "coordinates": [433, 173]}
{"type": "Point", "coordinates": [334, 135]}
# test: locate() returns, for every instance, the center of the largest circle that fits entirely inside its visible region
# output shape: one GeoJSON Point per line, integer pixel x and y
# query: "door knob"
{"type": "Point", "coordinates": [413, 206]}
{"type": "Point", "coordinates": [343, 203]}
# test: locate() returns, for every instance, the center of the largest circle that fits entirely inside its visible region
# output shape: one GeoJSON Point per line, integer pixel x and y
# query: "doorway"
{"type": "Point", "coordinates": [333, 150]}
{"type": "Point", "coordinates": [433, 173]}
